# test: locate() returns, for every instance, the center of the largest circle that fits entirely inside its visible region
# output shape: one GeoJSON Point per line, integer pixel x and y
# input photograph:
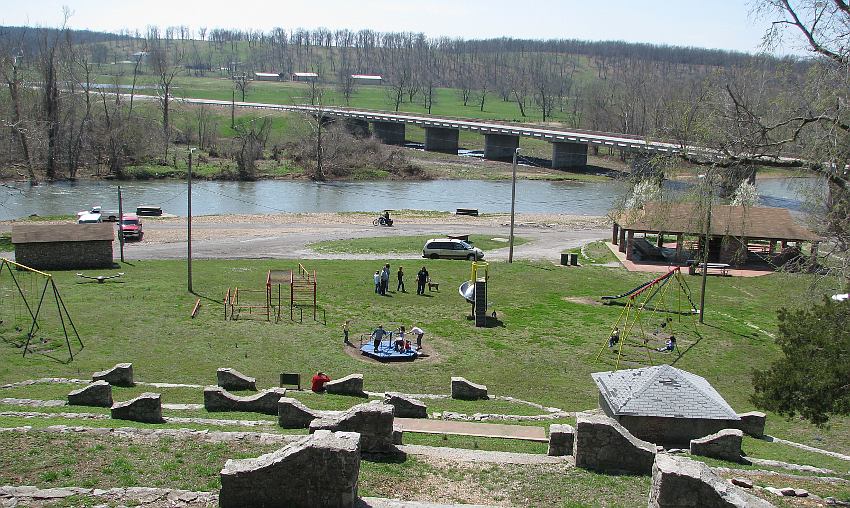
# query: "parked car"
{"type": "Point", "coordinates": [88, 218]}
{"type": "Point", "coordinates": [450, 248]}
{"type": "Point", "coordinates": [132, 227]}
{"type": "Point", "coordinates": [105, 215]}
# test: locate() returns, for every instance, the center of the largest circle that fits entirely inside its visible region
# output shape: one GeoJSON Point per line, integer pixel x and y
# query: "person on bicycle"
{"type": "Point", "coordinates": [386, 217]}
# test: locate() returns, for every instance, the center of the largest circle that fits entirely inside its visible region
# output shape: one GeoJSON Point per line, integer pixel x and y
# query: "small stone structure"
{"type": "Point", "coordinates": [217, 398]}
{"type": "Point", "coordinates": [604, 445]}
{"type": "Point", "coordinates": [373, 421]}
{"type": "Point", "coordinates": [467, 390]}
{"type": "Point", "coordinates": [120, 375]}
{"type": "Point", "coordinates": [320, 470]}
{"type": "Point", "coordinates": [681, 482]}
{"type": "Point", "coordinates": [751, 423]}
{"type": "Point", "coordinates": [63, 246]}
{"type": "Point", "coordinates": [404, 406]}
{"type": "Point", "coordinates": [97, 394]}
{"type": "Point", "coordinates": [663, 404]}
{"type": "Point", "coordinates": [561, 439]}
{"type": "Point", "coordinates": [232, 379]}
{"type": "Point", "coordinates": [292, 414]}
{"type": "Point", "coordinates": [348, 385]}
{"type": "Point", "coordinates": [725, 445]}
{"type": "Point", "coordinates": [146, 408]}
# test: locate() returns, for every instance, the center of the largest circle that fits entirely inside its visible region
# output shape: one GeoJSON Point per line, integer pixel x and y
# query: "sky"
{"type": "Point", "coordinates": [723, 24]}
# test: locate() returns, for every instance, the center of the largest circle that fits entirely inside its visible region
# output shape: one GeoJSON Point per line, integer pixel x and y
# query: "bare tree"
{"type": "Point", "coordinates": [241, 82]}
{"type": "Point", "coordinates": [251, 137]}
{"type": "Point", "coordinates": [166, 61]}
{"type": "Point", "coordinates": [11, 59]}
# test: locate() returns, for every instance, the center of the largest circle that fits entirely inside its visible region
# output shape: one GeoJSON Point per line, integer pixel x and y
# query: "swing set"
{"type": "Point", "coordinates": [629, 338]}
{"type": "Point", "coordinates": [24, 304]}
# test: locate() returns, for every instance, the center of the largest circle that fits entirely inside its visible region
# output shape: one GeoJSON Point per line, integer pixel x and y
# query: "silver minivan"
{"type": "Point", "coordinates": [451, 248]}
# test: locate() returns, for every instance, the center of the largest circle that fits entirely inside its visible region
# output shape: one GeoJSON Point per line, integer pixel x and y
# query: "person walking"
{"type": "Point", "coordinates": [419, 334]}
{"type": "Point", "coordinates": [377, 278]}
{"type": "Point", "coordinates": [400, 280]}
{"type": "Point", "coordinates": [385, 279]}
{"type": "Point", "coordinates": [421, 279]}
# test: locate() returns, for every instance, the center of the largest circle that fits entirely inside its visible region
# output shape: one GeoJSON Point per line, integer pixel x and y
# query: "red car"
{"type": "Point", "coordinates": [132, 227]}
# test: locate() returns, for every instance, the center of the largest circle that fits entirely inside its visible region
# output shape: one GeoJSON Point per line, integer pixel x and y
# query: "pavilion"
{"type": "Point", "coordinates": [736, 233]}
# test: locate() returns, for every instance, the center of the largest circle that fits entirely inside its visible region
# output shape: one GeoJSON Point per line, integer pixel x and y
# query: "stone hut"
{"type": "Point", "coordinates": [663, 404]}
{"type": "Point", "coordinates": [63, 246]}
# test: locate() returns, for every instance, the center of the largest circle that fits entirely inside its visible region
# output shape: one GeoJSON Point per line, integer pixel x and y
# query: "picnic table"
{"type": "Point", "coordinates": [695, 267]}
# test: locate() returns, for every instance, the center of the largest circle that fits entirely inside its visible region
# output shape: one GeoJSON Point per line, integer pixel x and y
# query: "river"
{"type": "Point", "coordinates": [269, 196]}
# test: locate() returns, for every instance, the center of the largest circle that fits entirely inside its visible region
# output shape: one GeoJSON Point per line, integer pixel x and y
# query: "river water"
{"type": "Point", "coordinates": [270, 196]}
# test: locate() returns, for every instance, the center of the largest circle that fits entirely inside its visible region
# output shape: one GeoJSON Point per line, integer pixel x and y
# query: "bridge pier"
{"type": "Point", "coordinates": [569, 155]}
{"type": "Point", "coordinates": [500, 147]}
{"type": "Point", "coordinates": [390, 133]}
{"type": "Point", "coordinates": [358, 128]}
{"type": "Point", "coordinates": [439, 139]}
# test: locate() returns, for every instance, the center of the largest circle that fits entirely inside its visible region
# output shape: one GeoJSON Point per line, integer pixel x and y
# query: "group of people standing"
{"type": "Point", "coordinates": [382, 280]}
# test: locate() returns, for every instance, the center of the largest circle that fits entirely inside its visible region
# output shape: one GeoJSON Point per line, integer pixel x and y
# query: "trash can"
{"type": "Point", "coordinates": [569, 259]}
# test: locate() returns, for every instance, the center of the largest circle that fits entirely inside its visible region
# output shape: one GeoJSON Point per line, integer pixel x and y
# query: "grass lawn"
{"type": "Point", "coordinates": [543, 349]}
{"type": "Point", "coordinates": [401, 244]}
{"type": "Point", "coordinates": [6, 242]}
{"type": "Point", "coordinates": [594, 253]}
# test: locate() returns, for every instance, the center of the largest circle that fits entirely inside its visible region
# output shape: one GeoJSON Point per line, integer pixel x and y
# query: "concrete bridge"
{"type": "Point", "coordinates": [569, 146]}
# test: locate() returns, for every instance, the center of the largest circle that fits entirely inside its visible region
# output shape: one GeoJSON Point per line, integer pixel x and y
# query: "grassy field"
{"type": "Point", "coordinates": [401, 244]}
{"type": "Point", "coordinates": [542, 349]}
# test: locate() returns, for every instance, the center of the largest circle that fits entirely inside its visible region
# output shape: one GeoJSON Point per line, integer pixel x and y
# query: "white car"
{"type": "Point", "coordinates": [451, 248]}
{"type": "Point", "coordinates": [89, 218]}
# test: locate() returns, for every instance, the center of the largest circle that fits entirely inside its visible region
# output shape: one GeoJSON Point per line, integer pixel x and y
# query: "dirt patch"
{"type": "Point", "coordinates": [428, 354]}
{"type": "Point", "coordinates": [584, 300]}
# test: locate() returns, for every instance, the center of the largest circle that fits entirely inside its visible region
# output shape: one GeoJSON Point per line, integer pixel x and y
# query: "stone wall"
{"type": "Point", "coordinates": [119, 375]}
{"type": "Point", "coordinates": [348, 385]}
{"type": "Point", "coordinates": [320, 470]}
{"type": "Point", "coordinates": [232, 379]}
{"type": "Point", "coordinates": [467, 390]}
{"type": "Point", "coordinates": [561, 438]}
{"type": "Point", "coordinates": [292, 414]}
{"type": "Point", "coordinates": [146, 408]}
{"type": "Point", "coordinates": [97, 394]}
{"type": "Point", "coordinates": [724, 445]}
{"type": "Point", "coordinates": [373, 421]}
{"type": "Point", "coordinates": [751, 423]}
{"type": "Point", "coordinates": [217, 398]}
{"type": "Point", "coordinates": [679, 482]}
{"type": "Point", "coordinates": [65, 255]}
{"type": "Point", "coordinates": [404, 406]}
{"type": "Point", "coordinates": [603, 445]}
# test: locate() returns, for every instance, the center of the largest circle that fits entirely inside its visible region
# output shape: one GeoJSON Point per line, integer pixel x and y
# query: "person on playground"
{"type": "Point", "coordinates": [345, 330]}
{"type": "Point", "coordinates": [421, 279]}
{"type": "Point", "coordinates": [398, 345]}
{"type": "Point", "coordinates": [670, 346]}
{"type": "Point", "coordinates": [377, 337]}
{"type": "Point", "coordinates": [385, 279]}
{"type": "Point", "coordinates": [377, 279]}
{"type": "Point", "coordinates": [317, 384]}
{"type": "Point", "coordinates": [662, 325]}
{"type": "Point", "coordinates": [419, 333]}
{"type": "Point", "coordinates": [614, 339]}
{"type": "Point", "coordinates": [400, 280]}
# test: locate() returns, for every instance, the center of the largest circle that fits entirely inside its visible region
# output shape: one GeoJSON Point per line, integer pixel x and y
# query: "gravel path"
{"type": "Point", "coordinates": [287, 235]}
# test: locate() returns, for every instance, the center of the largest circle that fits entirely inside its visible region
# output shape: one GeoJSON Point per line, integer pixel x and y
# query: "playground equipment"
{"type": "Point", "coordinates": [474, 291]}
{"type": "Point", "coordinates": [100, 279]}
{"type": "Point", "coordinates": [302, 294]}
{"type": "Point", "coordinates": [629, 331]}
{"type": "Point", "coordinates": [23, 296]}
{"type": "Point", "coordinates": [387, 352]}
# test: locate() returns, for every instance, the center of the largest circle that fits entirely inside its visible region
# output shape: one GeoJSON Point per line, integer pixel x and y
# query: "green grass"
{"type": "Point", "coordinates": [594, 253]}
{"type": "Point", "coordinates": [6, 242]}
{"type": "Point", "coordinates": [400, 244]}
{"type": "Point", "coordinates": [543, 350]}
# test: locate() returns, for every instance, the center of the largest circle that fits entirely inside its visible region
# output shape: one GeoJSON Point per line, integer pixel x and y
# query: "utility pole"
{"type": "Point", "coordinates": [189, 222]}
{"type": "Point", "coordinates": [709, 181]}
{"type": "Point", "coordinates": [121, 222]}
{"type": "Point", "coordinates": [232, 109]}
{"type": "Point", "coordinates": [513, 207]}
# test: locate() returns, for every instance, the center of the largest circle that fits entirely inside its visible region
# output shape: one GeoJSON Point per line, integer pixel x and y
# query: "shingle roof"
{"type": "Point", "coordinates": [42, 233]}
{"type": "Point", "coordinates": [737, 221]}
{"type": "Point", "coordinates": [663, 391]}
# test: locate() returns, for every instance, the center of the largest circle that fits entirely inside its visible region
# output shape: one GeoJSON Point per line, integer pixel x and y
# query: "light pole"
{"type": "Point", "coordinates": [189, 221]}
{"type": "Point", "coordinates": [513, 207]}
{"type": "Point", "coordinates": [709, 181]}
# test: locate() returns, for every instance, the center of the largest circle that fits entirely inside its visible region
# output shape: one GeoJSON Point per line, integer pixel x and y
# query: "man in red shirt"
{"type": "Point", "coordinates": [318, 382]}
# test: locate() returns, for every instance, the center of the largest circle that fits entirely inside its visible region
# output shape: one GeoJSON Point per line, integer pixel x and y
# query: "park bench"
{"type": "Point", "coordinates": [721, 268]}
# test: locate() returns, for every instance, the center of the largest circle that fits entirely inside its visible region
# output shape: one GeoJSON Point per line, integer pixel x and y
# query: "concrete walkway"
{"type": "Point", "coordinates": [523, 432]}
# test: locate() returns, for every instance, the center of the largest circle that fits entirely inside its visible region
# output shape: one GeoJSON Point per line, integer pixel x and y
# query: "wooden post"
{"type": "Point", "coordinates": [630, 243]}
{"type": "Point", "coordinates": [614, 233]}
{"type": "Point", "coordinates": [622, 242]}
{"type": "Point", "coordinates": [660, 240]}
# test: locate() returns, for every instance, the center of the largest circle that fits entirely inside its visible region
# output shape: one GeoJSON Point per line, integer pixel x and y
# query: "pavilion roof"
{"type": "Point", "coordinates": [726, 220]}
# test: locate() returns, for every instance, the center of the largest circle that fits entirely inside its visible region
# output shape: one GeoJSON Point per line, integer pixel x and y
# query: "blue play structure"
{"type": "Point", "coordinates": [386, 352]}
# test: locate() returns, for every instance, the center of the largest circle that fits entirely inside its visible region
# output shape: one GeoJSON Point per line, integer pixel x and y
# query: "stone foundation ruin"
{"type": "Point", "coordinates": [97, 394]}
{"type": "Point", "coordinates": [467, 390]}
{"type": "Point", "coordinates": [373, 421]}
{"type": "Point", "coordinates": [232, 379]}
{"type": "Point", "coordinates": [217, 399]}
{"type": "Point", "coordinates": [603, 445]}
{"type": "Point", "coordinates": [146, 408]}
{"type": "Point", "coordinates": [119, 375]}
{"type": "Point", "coordinates": [681, 482]}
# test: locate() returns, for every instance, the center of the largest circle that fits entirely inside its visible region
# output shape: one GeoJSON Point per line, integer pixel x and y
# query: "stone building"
{"type": "Point", "coordinates": [63, 246]}
{"type": "Point", "coordinates": [663, 404]}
